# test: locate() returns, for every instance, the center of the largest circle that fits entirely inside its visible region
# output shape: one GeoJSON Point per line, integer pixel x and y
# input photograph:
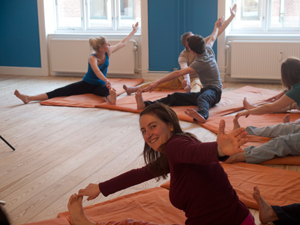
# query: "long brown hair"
{"type": "Point", "coordinates": [157, 161]}
{"type": "Point", "coordinates": [290, 72]}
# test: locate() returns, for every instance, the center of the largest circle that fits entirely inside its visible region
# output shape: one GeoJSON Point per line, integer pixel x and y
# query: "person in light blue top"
{"type": "Point", "coordinates": [95, 80]}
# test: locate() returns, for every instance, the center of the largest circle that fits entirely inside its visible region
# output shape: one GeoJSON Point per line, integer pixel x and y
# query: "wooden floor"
{"type": "Point", "coordinates": [62, 149]}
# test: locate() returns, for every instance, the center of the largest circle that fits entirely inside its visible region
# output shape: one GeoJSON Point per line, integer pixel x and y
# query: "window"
{"type": "Point", "coordinates": [95, 15]}
{"type": "Point", "coordinates": [267, 16]}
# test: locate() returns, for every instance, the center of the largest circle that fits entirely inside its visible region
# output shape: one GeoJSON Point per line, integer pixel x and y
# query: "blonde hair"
{"type": "Point", "coordinates": [97, 42]}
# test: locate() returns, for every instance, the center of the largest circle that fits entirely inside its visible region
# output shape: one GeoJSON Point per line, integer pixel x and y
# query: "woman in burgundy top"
{"type": "Point", "coordinates": [199, 186]}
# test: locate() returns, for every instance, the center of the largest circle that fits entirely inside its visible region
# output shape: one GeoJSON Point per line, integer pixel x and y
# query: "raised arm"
{"type": "Point", "coordinates": [226, 23]}
{"type": "Point", "coordinates": [183, 63]}
{"type": "Point", "coordinates": [283, 102]}
{"type": "Point", "coordinates": [170, 76]}
{"type": "Point", "coordinates": [122, 43]}
{"type": "Point", "coordinates": [214, 34]}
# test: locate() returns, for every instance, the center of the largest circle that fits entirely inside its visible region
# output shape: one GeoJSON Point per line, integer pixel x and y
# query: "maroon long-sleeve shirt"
{"type": "Point", "coordinates": [199, 186]}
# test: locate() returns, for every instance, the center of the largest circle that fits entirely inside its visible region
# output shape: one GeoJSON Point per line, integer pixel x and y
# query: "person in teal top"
{"type": "Point", "coordinates": [95, 80]}
{"type": "Point", "coordinates": [288, 99]}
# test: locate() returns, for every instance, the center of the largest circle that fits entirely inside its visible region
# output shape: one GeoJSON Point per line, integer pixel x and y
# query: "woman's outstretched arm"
{"type": "Point", "coordinates": [122, 43]}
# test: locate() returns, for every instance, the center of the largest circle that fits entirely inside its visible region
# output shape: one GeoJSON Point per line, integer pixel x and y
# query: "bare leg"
{"type": "Point", "coordinates": [247, 104]}
{"type": "Point", "coordinates": [26, 99]}
{"type": "Point", "coordinates": [236, 124]}
{"type": "Point", "coordinates": [286, 118]}
{"type": "Point", "coordinates": [112, 97]}
{"type": "Point", "coordinates": [76, 211]}
{"type": "Point", "coordinates": [139, 99]}
{"type": "Point", "coordinates": [266, 212]}
{"type": "Point", "coordinates": [195, 115]}
{"type": "Point", "coordinates": [130, 90]}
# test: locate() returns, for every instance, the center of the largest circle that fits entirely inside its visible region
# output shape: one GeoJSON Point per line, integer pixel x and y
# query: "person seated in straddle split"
{"type": "Point", "coordinates": [95, 80]}
{"type": "Point", "coordinates": [206, 67]}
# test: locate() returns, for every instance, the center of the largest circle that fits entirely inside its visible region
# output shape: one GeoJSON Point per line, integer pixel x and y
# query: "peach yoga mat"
{"type": "Point", "coordinates": [258, 121]}
{"type": "Point", "coordinates": [231, 101]}
{"type": "Point", "coordinates": [91, 100]}
{"type": "Point", "coordinates": [152, 205]}
{"type": "Point", "coordinates": [56, 221]}
{"type": "Point", "coordinates": [277, 186]}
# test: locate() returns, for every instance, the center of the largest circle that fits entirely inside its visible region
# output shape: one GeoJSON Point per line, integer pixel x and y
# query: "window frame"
{"type": "Point", "coordinates": [265, 27]}
{"type": "Point", "coordinates": [115, 27]}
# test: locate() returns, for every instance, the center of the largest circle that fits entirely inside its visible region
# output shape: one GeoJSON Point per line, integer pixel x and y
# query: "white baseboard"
{"type": "Point", "coordinates": [227, 78]}
{"type": "Point", "coordinates": [28, 71]}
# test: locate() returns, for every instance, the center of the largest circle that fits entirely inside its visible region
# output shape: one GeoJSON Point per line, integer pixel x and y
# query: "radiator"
{"type": "Point", "coordinates": [260, 59]}
{"type": "Point", "coordinates": [71, 55]}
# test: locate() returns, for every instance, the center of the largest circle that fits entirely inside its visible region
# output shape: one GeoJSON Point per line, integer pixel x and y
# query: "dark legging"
{"type": "Point", "coordinates": [204, 99]}
{"type": "Point", "coordinates": [287, 215]}
{"type": "Point", "coordinates": [79, 88]}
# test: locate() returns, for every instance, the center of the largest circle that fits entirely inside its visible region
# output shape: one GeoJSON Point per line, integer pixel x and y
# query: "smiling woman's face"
{"type": "Point", "coordinates": [155, 131]}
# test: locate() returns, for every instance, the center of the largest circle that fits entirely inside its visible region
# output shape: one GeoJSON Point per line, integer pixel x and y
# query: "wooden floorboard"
{"type": "Point", "coordinates": [62, 149]}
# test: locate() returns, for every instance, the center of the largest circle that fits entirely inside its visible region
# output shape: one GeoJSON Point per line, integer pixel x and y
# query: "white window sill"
{"type": "Point", "coordinates": [264, 36]}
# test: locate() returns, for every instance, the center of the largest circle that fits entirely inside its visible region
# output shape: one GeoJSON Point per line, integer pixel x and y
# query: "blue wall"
{"type": "Point", "coordinates": [19, 37]}
{"type": "Point", "coordinates": [168, 19]}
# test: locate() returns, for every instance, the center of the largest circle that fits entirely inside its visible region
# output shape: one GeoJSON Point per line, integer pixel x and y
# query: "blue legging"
{"type": "Point", "coordinates": [79, 88]}
{"type": "Point", "coordinates": [204, 99]}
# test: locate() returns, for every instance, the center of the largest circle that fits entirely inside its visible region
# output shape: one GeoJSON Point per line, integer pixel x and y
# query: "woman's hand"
{"type": "Point", "coordinates": [151, 87]}
{"type": "Point", "coordinates": [92, 191]}
{"type": "Point", "coordinates": [135, 27]}
{"type": "Point", "coordinates": [219, 22]}
{"type": "Point", "coordinates": [230, 144]}
{"type": "Point", "coordinates": [108, 84]}
{"type": "Point", "coordinates": [233, 10]}
{"type": "Point", "coordinates": [276, 97]}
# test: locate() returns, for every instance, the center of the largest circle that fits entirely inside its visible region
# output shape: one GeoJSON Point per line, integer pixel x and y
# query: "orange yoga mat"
{"type": "Point", "coordinates": [91, 100]}
{"type": "Point", "coordinates": [258, 121]}
{"type": "Point", "coordinates": [152, 205]}
{"type": "Point", "coordinates": [56, 221]}
{"type": "Point", "coordinates": [277, 186]}
{"type": "Point", "coordinates": [231, 101]}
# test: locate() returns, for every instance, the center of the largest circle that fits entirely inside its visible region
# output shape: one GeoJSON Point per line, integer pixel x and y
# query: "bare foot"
{"type": "Point", "coordinates": [247, 104]}
{"type": "Point", "coordinates": [266, 212]}
{"type": "Point", "coordinates": [238, 157]}
{"type": "Point", "coordinates": [195, 115]}
{"type": "Point", "coordinates": [139, 99]}
{"type": "Point", "coordinates": [286, 118]}
{"type": "Point", "coordinates": [130, 90]}
{"type": "Point", "coordinates": [112, 98]}
{"type": "Point", "coordinates": [76, 211]}
{"type": "Point", "coordinates": [236, 124]}
{"type": "Point", "coordinates": [24, 98]}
